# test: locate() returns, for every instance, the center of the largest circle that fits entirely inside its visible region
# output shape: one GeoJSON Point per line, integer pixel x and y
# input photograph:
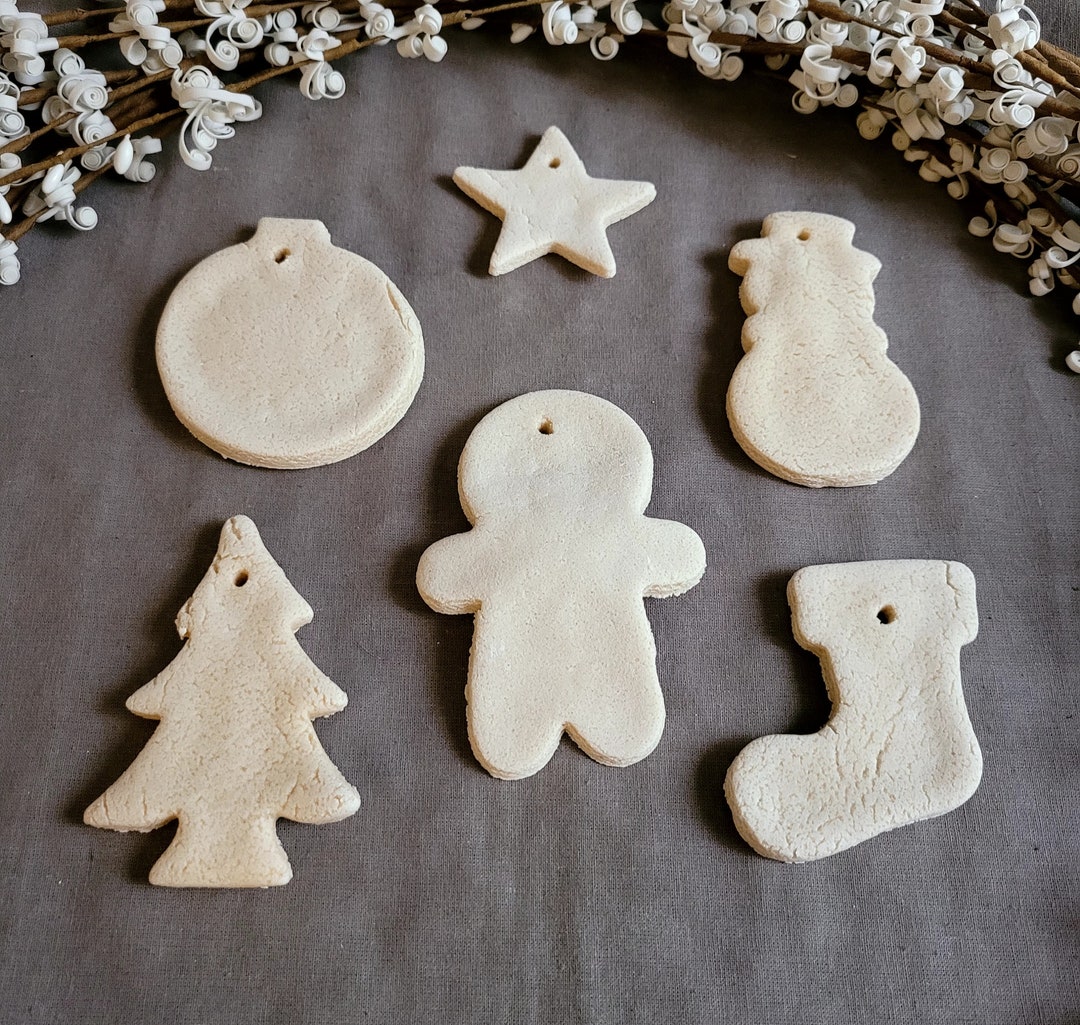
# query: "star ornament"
{"type": "Point", "coordinates": [551, 205]}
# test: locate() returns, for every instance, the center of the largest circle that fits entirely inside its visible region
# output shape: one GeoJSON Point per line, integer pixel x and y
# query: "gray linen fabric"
{"type": "Point", "coordinates": [583, 894]}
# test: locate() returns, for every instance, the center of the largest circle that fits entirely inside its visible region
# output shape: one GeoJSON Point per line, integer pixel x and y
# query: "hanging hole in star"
{"type": "Point", "coordinates": [554, 162]}
{"type": "Point", "coordinates": [282, 255]}
{"type": "Point", "coordinates": [804, 235]}
{"type": "Point", "coordinates": [241, 578]}
{"type": "Point", "coordinates": [886, 615]}
{"type": "Point", "coordinates": [546, 427]}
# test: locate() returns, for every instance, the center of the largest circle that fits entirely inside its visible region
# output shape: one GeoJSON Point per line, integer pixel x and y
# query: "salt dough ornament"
{"type": "Point", "coordinates": [899, 746]}
{"type": "Point", "coordinates": [551, 205]}
{"type": "Point", "coordinates": [560, 556]}
{"type": "Point", "coordinates": [287, 352]}
{"type": "Point", "coordinates": [235, 748]}
{"type": "Point", "coordinates": [815, 400]}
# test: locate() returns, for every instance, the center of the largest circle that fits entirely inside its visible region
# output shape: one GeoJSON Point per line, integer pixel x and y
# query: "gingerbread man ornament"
{"type": "Point", "coordinates": [560, 555]}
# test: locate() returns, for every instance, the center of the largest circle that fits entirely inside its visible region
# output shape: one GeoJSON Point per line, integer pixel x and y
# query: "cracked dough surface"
{"type": "Point", "coordinates": [286, 351]}
{"type": "Point", "coordinates": [556, 484]}
{"type": "Point", "coordinates": [235, 748]}
{"type": "Point", "coordinates": [815, 400]}
{"type": "Point", "coordinates": [899, 746]}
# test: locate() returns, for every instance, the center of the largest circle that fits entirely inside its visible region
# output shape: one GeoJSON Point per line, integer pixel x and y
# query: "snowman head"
{"type": "Point", "coordinates": [555, 453]}
{"type": "Point", "coordinates": [244, 590]}
{"type": "Point", "coordinates": [804, 246]}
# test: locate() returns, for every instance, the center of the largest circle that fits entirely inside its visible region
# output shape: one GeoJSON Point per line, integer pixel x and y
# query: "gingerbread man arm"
{"type": "Point", "coordinates": [450, 573]}
{"type": "Point", "coordinates": [674, 558]}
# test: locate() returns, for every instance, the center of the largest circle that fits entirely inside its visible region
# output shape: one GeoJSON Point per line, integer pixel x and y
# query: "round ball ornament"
{"type": "Point", "coordinates": [288, 352]}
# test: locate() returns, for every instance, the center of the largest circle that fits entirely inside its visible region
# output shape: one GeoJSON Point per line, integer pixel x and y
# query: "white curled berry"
{"type": "Point", "coordinates": [144, 42]}
{"type": "Point", "coordinates": [9, 262]}
{"type": "Point", "coordinates": [24, 38]}
{"type": "Point", "coordinates": [54, 198]}
{"type": "Point", "coordinates": [212, 111]}
{"type": "Point", "coordinates": [420, 36]}
{"type": "Point", "coordinates": [626, 17]}
{"type": "Point", "coordinates": [558, 24]}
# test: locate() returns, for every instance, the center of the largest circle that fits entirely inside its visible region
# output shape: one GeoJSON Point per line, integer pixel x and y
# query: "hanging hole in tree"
{"type": "Point", "coordinates": [804, 235]}
{"type": "Point", "coordinates": [886, 615]}
{"type": "Point", "coordinates": [554, 162]}
{"type": "Point", "coordinates": [282, 255]}
{"type": "Point", "coordinates": [546, 427]}
{"type": "Point", "coordinates": [241, 578]}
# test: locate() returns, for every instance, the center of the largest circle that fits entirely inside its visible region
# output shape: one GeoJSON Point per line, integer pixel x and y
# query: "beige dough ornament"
{"type": "Point", "coordinates": [235, 748]}
{"type": "Point", "coordinates": [554, 569]}
{"type": "Point", "coordinates": [815, 400]}
{"type": "Point", "coordinates": [899, 746]}
{"type": "Point", "coordinates": [287, 352]}
{"type": "Point", "coordinates": [551, 205]}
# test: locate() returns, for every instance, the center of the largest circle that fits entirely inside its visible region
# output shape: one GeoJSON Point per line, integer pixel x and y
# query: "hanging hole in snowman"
{"type": "Point", "coordinates": [546, 427]}
{"type": "Point", "coordinates": [886, 615]}
{"type": "Point", "coordinates": [804, 235]}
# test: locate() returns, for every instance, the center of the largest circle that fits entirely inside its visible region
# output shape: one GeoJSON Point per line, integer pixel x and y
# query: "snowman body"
{"type": "Point", "coordinates": [816, 400]}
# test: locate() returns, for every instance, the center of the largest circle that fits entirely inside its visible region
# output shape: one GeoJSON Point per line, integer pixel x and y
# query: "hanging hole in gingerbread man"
{"type": "Point", "coordinates": [886, 615]}
{"type": "Point", "coordinates": [546, 427]}
{"type": "Point", "coordinates": [241, 578]}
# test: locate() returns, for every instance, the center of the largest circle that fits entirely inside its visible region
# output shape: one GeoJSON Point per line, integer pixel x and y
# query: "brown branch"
{"type": "Point", "coordinates": [20, 229]}
{"type": "Point", "coordinates": [1047, 73]}
{"type": "Point", "coordinates": [966, 27]}
{"type": "Point", "coordinates": [34, 97]}
{"type": "Point", "coordinates": [77, 151]}
{"type": "Point", "coordinates": [976, 11]}
{"type": "Point", "coordinates": [834, 12]}
{"type": "Point", "coordinates": [19, 144]}
{"type": "Point", "coordinates": [79, 14]}
{"type": "Point", "coordinates": [1067, 64]}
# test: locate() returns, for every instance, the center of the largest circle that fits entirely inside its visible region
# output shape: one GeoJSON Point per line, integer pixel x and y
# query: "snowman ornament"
{"type": "Point", "coordinates": [559, 557]}
{"type": "Point", "coordinates": [815, 400]}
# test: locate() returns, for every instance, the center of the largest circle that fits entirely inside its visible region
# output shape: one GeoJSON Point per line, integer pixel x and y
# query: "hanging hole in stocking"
{"type": "Point", "coordinates": [886, 615]}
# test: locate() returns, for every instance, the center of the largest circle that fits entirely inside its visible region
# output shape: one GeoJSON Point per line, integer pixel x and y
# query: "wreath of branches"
{"type": "Point", "coordinates": [973, 97]}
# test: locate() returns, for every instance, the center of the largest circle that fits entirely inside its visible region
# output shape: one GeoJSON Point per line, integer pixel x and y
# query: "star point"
{"type": "Point", "coordinates": [552, 205]}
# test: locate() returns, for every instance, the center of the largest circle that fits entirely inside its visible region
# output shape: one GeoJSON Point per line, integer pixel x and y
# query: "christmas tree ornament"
{"type": "Point", "coordinates": [899, 746]}
{"type": "Point", "coordinates": [551, 205]}
{"type": "Point", "coordinates": [554, 569]}
{"type": "Point", "coordinates": [286, 351]}
{"type": "Point", "coordinates": [815, 400]}
{"type": "Point", "coordinates": [235, 748]}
